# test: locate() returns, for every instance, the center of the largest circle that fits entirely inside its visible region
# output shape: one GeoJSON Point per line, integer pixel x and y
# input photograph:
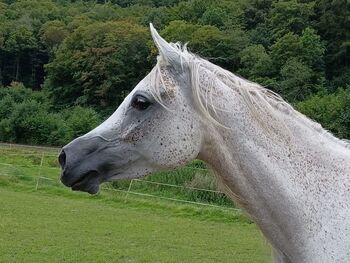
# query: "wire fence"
{"type": "Point", "coordinates": [31, 147]}
{"type": "Point", "coordinates": [48, 171]}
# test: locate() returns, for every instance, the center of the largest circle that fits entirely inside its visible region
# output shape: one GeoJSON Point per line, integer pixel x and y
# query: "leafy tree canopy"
{"type": "Point", "coordinates": [98, 64]}
{"type": "Point", "coordinates": [85, 56]}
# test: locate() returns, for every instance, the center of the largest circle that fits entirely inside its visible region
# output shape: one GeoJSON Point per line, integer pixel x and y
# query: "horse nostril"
{"type": "Point", "coordinates": [62, 159]}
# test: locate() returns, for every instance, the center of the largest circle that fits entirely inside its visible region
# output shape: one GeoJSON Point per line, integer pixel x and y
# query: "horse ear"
{"type": "Point", "coordinates": [168, 53]}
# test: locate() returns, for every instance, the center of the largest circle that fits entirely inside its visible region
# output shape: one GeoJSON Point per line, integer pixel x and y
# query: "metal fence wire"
{"type": "Point", "coordinates": [43, 152]}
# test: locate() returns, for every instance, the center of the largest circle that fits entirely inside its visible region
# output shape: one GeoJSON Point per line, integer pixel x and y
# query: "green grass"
{"type": "Point", "coordinates": [43, 227]}
{"type": "Point", "coordinates": [26, 161]}
{"type": "Point", "coordinates": [54, 224]}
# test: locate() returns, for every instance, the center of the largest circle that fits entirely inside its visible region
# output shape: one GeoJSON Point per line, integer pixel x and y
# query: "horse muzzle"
{"type": "Point", "coordinates": [88, 182]}
{"type": "Point", "coordinates": [80, 165]}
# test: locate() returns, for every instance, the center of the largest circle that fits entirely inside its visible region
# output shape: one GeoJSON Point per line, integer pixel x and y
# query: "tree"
{"type": "Point", "coordinates": [52, 34]}
{"type": "Point", "coordinates": [160, 17]}
{"type": "Point", "coordinates": [218, 13]}
{"type": "Point", "coordinates": [308, 48]}
{"type": "Point", "coordinates": [333, 25]}
{"type": "Point", "coordinates": [193, 10]}
{"type": "Point", "coordinates": [214, 17]}
{"type": "Point", "coordinates": [299, 61]}
{"type": "Point", "coordinates": [331, 110]}
{"type": "Point", "coordinates": [261, 35]}
{"type": "Point", "coordinates": [98, 64]}
{"type": "Point", "coordinates": [224, 15]}
{"type": "Point", "coordinates": [26, 118]}
{"type": "Point", "coordinates": [80, 120]}
{"type": "Point", "coordinates": [286, 47]}
{"type": "Point", "coordinates": [313, 49]}
{"type": "Point", "coordinates": [256, 64]}
{"type": "Point", "coordinates": [296, 81]}
{"type": "Point", "coordinates": [179, 30]}
{"type": "Point", "coordinates": [19, 41]}
{"type": "Point", "coordinates": [256, 12]}
{"type": "Point", "coordinates": [290, 16]}
{"type": "Point", "coordinates": [220, 46]}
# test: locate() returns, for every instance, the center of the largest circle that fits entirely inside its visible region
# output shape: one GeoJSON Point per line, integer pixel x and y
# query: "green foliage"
{"type": "Point", "coordinates": [286, 47]}
{"type": "Point", "coordinates": [256, 63]}
{"type": "Point", "coordinates": [222, 14]}
{"type": "Point", "coordinates": [26, 118]}
{"type": "Point", "coordinates": [214, 17]}
{"type": "Point", "coordinates": [29, 122]}
{"type": "Point", "coordinates": [92, 53]}
{"type": "Point", "coordinates": [160, 17]}
{"type": "Point", "coordinates": [313, 49]}
{"type": "Point", "coordinates": [156, 3]}
{"type": "Point", "coordinates": [299, 63]}
{"type": "Point", "coordinates": [99, 63]}
{"type": "Point", "coordinates": [331, 110]}
{"type": "Point", "coordinates": [256, 13]}
{"type": "Point", "coordinates": [296, 84]}
{"type": "Point", "coordinates": [80, 120]}
{"type": "Point", "coordinates": [19, 40]}
{"type": "Point", "coordinates": [52, 34]}
{"type": "Point", "coordinates": [179, 30]}
{"type": "Point", "coordinates": [333, 24]}
{"type": "Point", "coordinates": [290, 16]}
{"type": "Point", "coordinates": [222, 47]}
{"type": "Point", "coordinates": [19, 93]}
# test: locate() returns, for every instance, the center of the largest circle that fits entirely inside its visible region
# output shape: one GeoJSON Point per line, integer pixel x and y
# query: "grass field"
{"type": "Point", "coordinates": [25, 162]}
{"type": "Point", "coordinates": [54, 224]}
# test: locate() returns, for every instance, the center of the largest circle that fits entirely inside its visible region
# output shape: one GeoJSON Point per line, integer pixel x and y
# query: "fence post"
{"type": "Point", "coordinates": [39, 172]}
{"type": "Point", "coordinates": [127, 193]}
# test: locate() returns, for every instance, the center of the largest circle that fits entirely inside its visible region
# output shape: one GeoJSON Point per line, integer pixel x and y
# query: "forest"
{"type": "Point", "coordinates": [67, 65]}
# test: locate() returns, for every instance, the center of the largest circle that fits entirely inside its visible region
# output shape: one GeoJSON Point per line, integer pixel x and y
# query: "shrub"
{"type": "Point", "coordinates": [19, 93]}
{"type": "Point", "coordinates": [6, 105]}
{"type": "Point", "coordinates": [6, 131]}
{"type": "Point", "coordinates": [26, 118]}
{"type": "Point", "coordinates": [31, 123]}
{"type": "Point", "coordinates": [80, 120]}
{"type": "Point", "coordinates": [331, 110]}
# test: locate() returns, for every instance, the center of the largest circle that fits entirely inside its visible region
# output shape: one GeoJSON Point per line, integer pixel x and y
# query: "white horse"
{"type": "Point", "coordinates": [289, 174]}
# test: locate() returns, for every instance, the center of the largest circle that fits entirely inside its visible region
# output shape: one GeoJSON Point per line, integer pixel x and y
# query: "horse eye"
{"type": "Point", "coordinates": [140, 102]}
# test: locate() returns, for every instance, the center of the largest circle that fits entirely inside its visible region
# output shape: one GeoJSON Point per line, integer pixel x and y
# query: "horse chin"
{"type": "Point", "coordinates": [88, 182]}
{"type": "Point", "coordinates": [89, 188]}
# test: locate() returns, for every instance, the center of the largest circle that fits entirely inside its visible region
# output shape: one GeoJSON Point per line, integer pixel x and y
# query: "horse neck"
{"type": "Point", "coordinates": [274, 174]}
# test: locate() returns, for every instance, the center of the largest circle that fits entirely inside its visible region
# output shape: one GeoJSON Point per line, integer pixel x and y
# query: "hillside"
{"type": "Point", "coordinates": [60, 60]}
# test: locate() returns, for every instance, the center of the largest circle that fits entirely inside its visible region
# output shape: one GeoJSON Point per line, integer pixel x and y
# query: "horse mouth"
{"type": "Point", "coordinates": [88, 182]}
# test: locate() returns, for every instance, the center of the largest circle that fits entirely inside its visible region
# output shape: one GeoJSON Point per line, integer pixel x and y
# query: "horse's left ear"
{"type": "Point", "coordinates": [168, 53]}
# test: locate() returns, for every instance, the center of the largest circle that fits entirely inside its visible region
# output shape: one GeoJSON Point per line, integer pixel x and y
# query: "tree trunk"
{"type": "Point", "coordinates": [33, 68]}
{"type": "Point", "coordinates": [17, 68]}
{"type": "Point", "coordinates": [1, 72]}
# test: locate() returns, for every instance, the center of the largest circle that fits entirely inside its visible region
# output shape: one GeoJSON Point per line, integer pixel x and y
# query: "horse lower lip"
{"type": "Point", "coordinates": [85, 186]}
{"type": "Point", "coordinates": [83, 179]}
{"type": "Point", "coordinates": [79, 181]}
{"type": "Point", "coordinates": [87, 183]}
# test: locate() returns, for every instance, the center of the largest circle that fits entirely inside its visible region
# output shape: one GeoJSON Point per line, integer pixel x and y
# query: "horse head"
{"type": "Point", "coordinates": [155, 128]}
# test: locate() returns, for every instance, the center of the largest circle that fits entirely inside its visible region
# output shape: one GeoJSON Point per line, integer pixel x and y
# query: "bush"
{"type": "Point", "coordinates": [6, 105]}
{"type": "Point", "coordinates": [19, 93]}
{"type": "Point", "coordinates": [331, 110]}
{"type": "Point", "coordinates": [81, 120]}
{"type": "Point", "coordinates": [31, 123]}
{"type": "Point", "coordinates": [6, 131]}
{"type": "Point", "coordinates": [26, 118]}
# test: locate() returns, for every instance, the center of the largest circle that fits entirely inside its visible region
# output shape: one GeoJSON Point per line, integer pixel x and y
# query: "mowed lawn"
{"type": "Point", "coordinates": [40, 227]}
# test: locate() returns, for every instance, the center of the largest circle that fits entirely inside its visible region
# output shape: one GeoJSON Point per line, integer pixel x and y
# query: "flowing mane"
{"type": "Point", "coordinates": [259, 100]}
